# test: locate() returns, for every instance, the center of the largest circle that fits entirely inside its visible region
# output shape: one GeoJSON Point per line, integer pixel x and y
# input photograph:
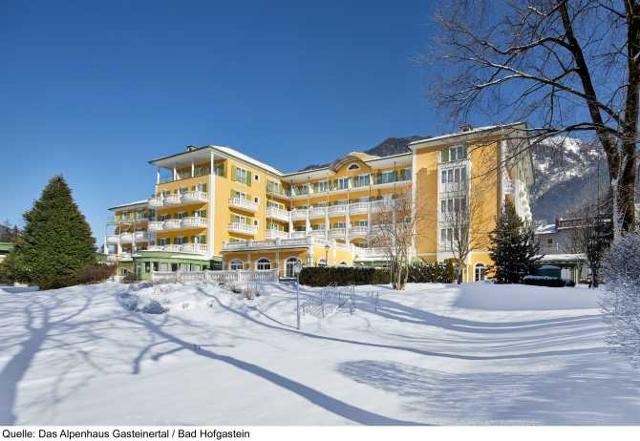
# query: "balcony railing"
{"type": "Point", "coordinates": [316, 212]}
{"type": "Point", "coordinates": [298, 234]}
{"type": "Point", "coordinates": [244, 204]}
{"type": "Point", "coordinates": [359, 208]}
{"type": "Point", "coordinates": [189, 197]}
{"type": "Point", "coordinates": [172, 224]}
{"type": "Point", "coordinates": [370, 253]}
{"type": "Point", "coordinates": [299, 214]}
{"type": "Point", "coordinates": [337, 233]}
{"type": "Point", "coordinates": [377, 205]}
{"type": "Point", "coordinates": [112, 239]}
{"type": "Point", "coordinates": [156, 201]}
{"type": "Point", "coordinates": [276, 234]}
{"type": "Point", "coordinates": [338, 210]}
{"type": "Point", "coordinates": [238, 227]}
{"type": "Point", "coordinates": [194, 222]}
{"type": "Point", "coordinates": [278, 213]}
{"type": "Point", "coordinates": [173, 199]}
{"type": "Point", "coordinates": [156, 226]}
{"type": "Point", "coordinates": [197, 248]}
{"type": "Point", "coordinates": [359, 231]}
{"type": "Point", "coordinates": [194, 196]}
{"type": "Point", "coordinates": [276, 243]}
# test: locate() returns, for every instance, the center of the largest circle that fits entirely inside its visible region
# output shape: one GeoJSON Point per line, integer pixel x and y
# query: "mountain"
{"type": "Point", "coordinates": [388, 147]}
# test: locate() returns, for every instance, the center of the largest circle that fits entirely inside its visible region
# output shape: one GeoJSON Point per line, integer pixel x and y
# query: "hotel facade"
{"type": "Point", "coordinates": [216, 208]}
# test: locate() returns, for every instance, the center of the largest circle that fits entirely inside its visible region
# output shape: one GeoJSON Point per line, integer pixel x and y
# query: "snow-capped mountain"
{"type": "Point", "coordinates": [568, 173]}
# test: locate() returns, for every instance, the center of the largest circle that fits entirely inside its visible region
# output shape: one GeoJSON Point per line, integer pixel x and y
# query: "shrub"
{"type": "Point", "coordinates": [341, 276]}
{"type": "Point", "coordinates": [95, 273]}
{"type": "Point", "coordinates": [421, 272]}
{"type": "Point", "coordinates": [552, 282]}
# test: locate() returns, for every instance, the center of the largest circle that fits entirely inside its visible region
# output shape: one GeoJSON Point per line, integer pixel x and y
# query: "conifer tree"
{"type": "Point", "coordinates": [56, 242]}
{"type": "Point", "coordinates": [514, 250]}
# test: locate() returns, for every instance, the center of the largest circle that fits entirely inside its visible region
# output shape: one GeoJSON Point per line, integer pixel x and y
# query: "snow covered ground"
{"type": "Point", "coordinates": [436, 354]}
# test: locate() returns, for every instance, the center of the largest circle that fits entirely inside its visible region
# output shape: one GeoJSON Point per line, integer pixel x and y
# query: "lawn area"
{"type": "Point", "coordinates": [435, 354]}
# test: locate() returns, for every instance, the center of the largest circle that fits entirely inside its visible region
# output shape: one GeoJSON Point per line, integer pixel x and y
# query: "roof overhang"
{"type": "Point", "coordinates": [466, 136]}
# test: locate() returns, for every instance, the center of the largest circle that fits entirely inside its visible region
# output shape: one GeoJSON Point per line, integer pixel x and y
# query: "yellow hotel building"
{"type": "Point", "coordinates": [216, 208]}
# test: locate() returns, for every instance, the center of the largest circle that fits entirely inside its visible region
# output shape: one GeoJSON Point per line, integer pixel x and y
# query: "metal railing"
{"type": "Point", "coordinates": [223, 276]}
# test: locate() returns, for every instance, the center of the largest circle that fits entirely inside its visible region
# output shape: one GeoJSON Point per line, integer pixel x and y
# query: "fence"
{"type": "Point", "coordinates": [331, 299]}
{"type": "Point", "coordinates": [231, 276]}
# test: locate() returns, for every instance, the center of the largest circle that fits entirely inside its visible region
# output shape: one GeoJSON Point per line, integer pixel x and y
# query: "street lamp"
{"type": "Point", "coordinates": [326, 254]}
{"type": "Point", "coordinates": [297, 267]}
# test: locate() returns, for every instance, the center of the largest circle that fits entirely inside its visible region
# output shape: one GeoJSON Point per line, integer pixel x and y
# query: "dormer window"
{"type": "Point", "coordinates": [353, 167]}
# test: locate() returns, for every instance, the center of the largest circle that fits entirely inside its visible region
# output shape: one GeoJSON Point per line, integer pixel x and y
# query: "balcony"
{"type": "Point", "coordinates": [196, 248]}
{"type": "Point", "coordinates": [338, 210]}
{"type": "Point", "coordinates": [277, 243]}
{"type": "Point", "coordinates": [359, 231]}
{"type": "Point", "coordinates": [126, 238]}
{"type": "Point", "coordinates": [172, 224]}
{"type": "Point", "coordinates": [238, 227]}
{"type": "Point", "coordinates": [278, 214]}
{"type": "Point", "coordinates": [298, 234]}
{"type": "Point", "coordinates": [156, 226]}
{"type": "Point", "coordinates": [320, 234]}
{"type": "Point", "coordinates": [243, 204]}
{"type": "Point", "coordinates": [276, 234]}
{"type": "Point", "coordinates": [337, 233]}
{"type": "Point", "coordinates": [359, 208]}
{"type": "Point", "coordinates": [112, 239]}
{"type": "Point", "coordinates": [299, 214]}
{"type": "Point", "coordinates": [317, 212]}
{"type": "Point", "coordinates": [141, 236]}
{"type": "Point", "coordinates": [370, 253]}
{"type": "Point", "coordinates": [156, 201]}
{"type": "Point", "coordinates": [173, 199]}
{"type": "Point", "coordinates": [194, 197]}
{"type": "Point", "coordinates": [378, 205]}
{"type": "Point", "coordinates": [194, 222]}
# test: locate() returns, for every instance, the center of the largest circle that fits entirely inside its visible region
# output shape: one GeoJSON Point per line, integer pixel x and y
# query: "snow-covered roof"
{"type": "Point", "coordinates": [563, 257]}
{"type": "Point", "coordinates": [130, 204]}
{"type": "Point", "coordinates": [472, 131]}
{"type": "Point", "coordinates": [546, 229]}
{"type": "Point", "coordinates": [246, 158]}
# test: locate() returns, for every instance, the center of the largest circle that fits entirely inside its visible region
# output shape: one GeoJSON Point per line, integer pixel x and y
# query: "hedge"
{"type": "Point", "coordinates": [421, 272]}
{"type": "Point", "coordinates": [341, 276]}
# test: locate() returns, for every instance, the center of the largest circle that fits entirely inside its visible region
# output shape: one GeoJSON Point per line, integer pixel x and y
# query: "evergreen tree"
{"type": "Point", "coordinates": [514, 250]}
{"type": "Point", "coordinates": [56, 243]}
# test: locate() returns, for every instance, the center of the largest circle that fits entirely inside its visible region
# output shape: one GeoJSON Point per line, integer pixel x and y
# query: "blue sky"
{"type": "Point", "coordinates": [93, 90]}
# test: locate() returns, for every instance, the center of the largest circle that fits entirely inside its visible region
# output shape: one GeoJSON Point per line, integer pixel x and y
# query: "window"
{"type": "Point", "coordinates": [454, 153]}
{"type": "Point", "coordinates": [343, 183]}
{"type": "Point", "coordinates": [361, 181]}
{"type": "Point", "coordinates": [263, 264]}
{"type": "Point", "coordinates": [147, 267]}
{"type": "Point", "coordinates": [256, 177]}
{"type": "Point", "coordinates": [479, 272]}
{"type": "Point", "coordinates": [290, 265]}
{"type": "Point", "coordinates": [241, 175]}
{"type": "Point", "coordinates": [236, 264]}
{"type": "Point", "coordinates": [353, 167]}
{"type": "Point", "coordinates": [256, 200]}
{"type": "Point", "coordinates": [218, 169]}
{"type": "Point", "coordinates": [321, 187]}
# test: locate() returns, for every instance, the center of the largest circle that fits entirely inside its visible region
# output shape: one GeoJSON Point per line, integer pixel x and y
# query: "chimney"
{"type": "Point", "coordinates": [465, 127]}
{"type": "Point", "coordinates": [191, 148]}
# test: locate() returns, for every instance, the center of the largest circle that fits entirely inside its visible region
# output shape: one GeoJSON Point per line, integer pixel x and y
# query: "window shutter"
{"type": "Point", "coordinates": [233, 172]}
{"type": "Point", "coordinates": [249, 177]}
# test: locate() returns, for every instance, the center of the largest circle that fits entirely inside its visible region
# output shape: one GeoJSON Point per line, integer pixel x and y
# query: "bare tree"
{"type": "Point", "coordinates": [568, 66]}
{"type": "Point", "coordinates": [394, 230]}
{"type": "Point", "coordinates": [593, 237]}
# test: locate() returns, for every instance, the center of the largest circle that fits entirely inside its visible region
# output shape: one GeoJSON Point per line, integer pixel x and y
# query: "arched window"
{"type": "Point", "coordinates": [263, 264]}
{"type": "Point", "coordinates": [236, 264]}
{"type": "Point", "coordinates": [353, 166]}
{"type": "Point", "coordinates": [479, 272]}
{"type": "Point", "coordinates": [289, 266]}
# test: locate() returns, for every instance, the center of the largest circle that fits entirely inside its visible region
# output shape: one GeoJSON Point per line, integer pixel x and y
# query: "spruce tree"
{"type": "Point", "coordinates": [56, 242]}
{"type": "Point", "coordinates": [514, 250]}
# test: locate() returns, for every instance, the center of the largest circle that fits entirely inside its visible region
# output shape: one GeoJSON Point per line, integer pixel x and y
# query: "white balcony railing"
{"type": "Point", "coordinates": [173, 199]}
{"type": "Point", "coordinates": [320, 234]}
{"type": "Point", "coordinates": [194, 222]}
{"type": "Point", "coordinates": [112, 239]}
{"type": "Point", "coordinates": [172, 224]}
{"type": "Point", "coordinates": [173, 248]}
{"type": "Point", "coordinates": [276, 234]}
{"type": "Point", "coordinates": [377, 205]}
{"type": "Point", "coordinates": [316, 212]}
{"type": "Point", "coordinates": [338, 210]}
{"type": "Point", "coordinates": [197, 248]}
{"type": "Point", "coordinates": [359, 208]}
{"type": "Point", "coordinates": [337, 233]}
{"type": "Point", "coordinates": [194, 196]}
{"type": "Point", "coordinates": [244, 204]}
{"type": "Point", "coordinates": [359, 231]}
{"type": "Point", "coordinates": [275, 243]}
{"type": "Point", "coordinates": [278, 213]}
{"type": "Point", "coordinates": [126, 238]}
{"type": "Point", "coordinates": [156, 201]}
{"type": "Point", "coordinates": [299, 214]}
{"type": "Point", "coordinates": [238, 227]}
{"type": "Point", "coordinates": [370, 253]}
{"type": "Point", "coordinates": [156, 226]}
{"type": "Point", "coordinates": [141, 236]}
